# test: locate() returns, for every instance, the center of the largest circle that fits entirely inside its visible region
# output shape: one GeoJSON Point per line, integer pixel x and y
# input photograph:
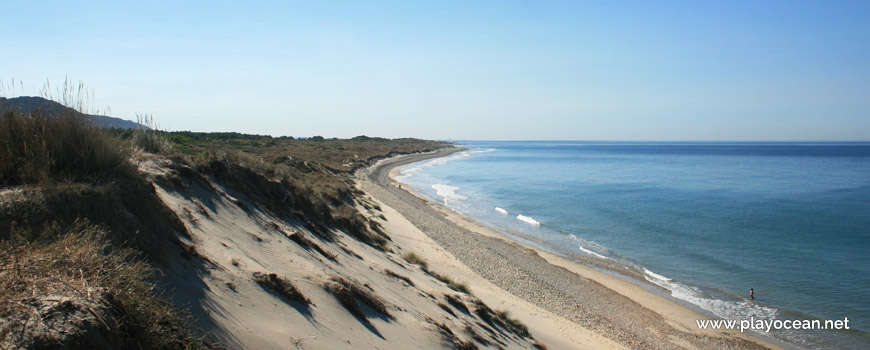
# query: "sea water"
{"type": "Point", "coordinates": [699, 222]}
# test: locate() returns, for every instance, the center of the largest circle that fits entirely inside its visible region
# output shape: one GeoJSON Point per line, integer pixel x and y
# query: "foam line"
{"type": "Point", "coordinates": [528, 220]}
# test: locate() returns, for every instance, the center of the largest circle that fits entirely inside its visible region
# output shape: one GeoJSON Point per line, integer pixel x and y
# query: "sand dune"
{"type": "Point", "coordinates": [348, 294]}
{"type": "Point", "coordinates": [234, 241]}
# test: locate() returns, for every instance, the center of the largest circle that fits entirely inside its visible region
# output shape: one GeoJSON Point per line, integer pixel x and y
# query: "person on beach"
{"type": "Point", "coordinates": [751, 294]}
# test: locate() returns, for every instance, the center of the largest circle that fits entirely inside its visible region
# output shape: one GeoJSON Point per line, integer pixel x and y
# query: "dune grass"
{"type": "Point", "coordinates": [148, 137]}
{"type": "Point", "coordinates": [61, 156]}
{"type": "Point", "coordinates": [281, 286]}
{"type": "Point", "coordinates": [417, 260]}
{"type": "Point", "coordinates": [41, 149]}
{"type": "Point", "coordinates": [352, 296]}
{"type": "Point", "coordinates": [81, 265]}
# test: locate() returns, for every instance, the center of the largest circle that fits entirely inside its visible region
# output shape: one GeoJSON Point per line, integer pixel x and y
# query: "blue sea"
{"type": "Point", "coordinates": [698, 222]}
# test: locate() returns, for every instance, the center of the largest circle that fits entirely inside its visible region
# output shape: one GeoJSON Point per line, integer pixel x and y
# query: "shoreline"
{"type": "Point", "coordinates": [610, 307]}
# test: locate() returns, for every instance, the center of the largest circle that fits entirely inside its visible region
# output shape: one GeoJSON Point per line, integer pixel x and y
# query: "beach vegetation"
{"type": "Point", "coordinates": [281, 286]}
{"type": "Point", "coordinates": [459, 287]}
{"type": "Point", "coordinates": [538, 346]}
{"type": "Point", "coordinates": [43, 149]}
{"type": "Point", "coordinates": [392, 274]}
{"type": "Point", "coordinates": [65, 174]}
{"type": "Point", "coordinates": [450, 338]}
{"type": "Point", "coordinates": [417, 260]}
{"type": "Point", "coordinates": [474, 335]}
{"type": "Point", "coordinates": [501, 319]}
{"type": "Point", "coordinates": [94, 293]}
{"type": "Point", "coordinates": [456, 302]}
{"type": "Point", "coordinates": [307, 244]}
{"type": "Point", "coordinates": [148, 138]}
{"type": "Point", "coordinates": [352, 296]}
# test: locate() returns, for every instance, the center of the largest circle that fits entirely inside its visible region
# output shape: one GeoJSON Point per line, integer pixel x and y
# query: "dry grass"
{"type": "Point", "coordinates": [398, 276]}
{"type": "Point", "coordinates": [352, 296]}
{"type": "Point", "coordinates": [42, 149]}
{"type": "Point", "coordinates": [450, 338]}
{"type": "Point", "coordinates": [281, 286]}
{"type": "Point", "coordinates": [457, 303]}
{"type": "Point", "coordinates": [501, 319]}
{"type": "Point", "coordinates": [459, 287]}
{"type": "Point", "coordinates": [150, 139]}
{"type": "Point", "coordinates": [416, 260]}
{"type": "Point", "coordinates": [77, 266]}
{"type": "Point", "coordinates": [315, 171]}
{"type": "Point", "coordinates": [318, 197]}
{"type": "Point", "coordinates": [515, 325]}
{"type": "Point", "coordinates": [307, 244]}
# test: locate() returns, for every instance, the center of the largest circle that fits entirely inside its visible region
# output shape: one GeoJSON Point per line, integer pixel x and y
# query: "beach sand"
{"type": "Point", "coordinates": [565, 304]}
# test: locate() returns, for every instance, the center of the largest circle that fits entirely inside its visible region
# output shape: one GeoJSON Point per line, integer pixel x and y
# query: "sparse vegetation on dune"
{"type": "Point", "coordinates": [58, 170]}
{"type": "Point", "coordinates": [280, 285]}
{"type": "Point", "coordinates": [67, 172]}
{"type": "Point", "coordinates": [352, 296]}
{"type": "Point", "coordinates": [417, 260]}
{"type": "Point", "coordinates": [311, 177]}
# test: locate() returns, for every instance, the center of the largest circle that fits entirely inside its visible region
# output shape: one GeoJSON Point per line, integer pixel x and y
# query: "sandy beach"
{"type": "Point", "coordinates": [565, 304]}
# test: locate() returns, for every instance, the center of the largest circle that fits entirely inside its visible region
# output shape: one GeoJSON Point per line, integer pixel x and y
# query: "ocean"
{"type": "Point", "coordinates": [698, 222]}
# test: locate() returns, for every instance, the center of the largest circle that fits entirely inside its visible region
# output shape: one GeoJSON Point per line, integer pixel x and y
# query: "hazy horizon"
{"type": "Point", "coordinates": [518, 70]}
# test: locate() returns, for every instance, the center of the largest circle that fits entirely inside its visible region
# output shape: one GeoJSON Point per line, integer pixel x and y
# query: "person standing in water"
{"type": "Point", "coordinates": [751, 294]}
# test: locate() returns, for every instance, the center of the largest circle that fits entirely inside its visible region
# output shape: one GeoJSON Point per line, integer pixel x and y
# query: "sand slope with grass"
{"type": "Point", "coordinates": [262, 282]}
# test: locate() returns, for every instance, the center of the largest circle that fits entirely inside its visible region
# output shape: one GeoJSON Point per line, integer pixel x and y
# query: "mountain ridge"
{"type": "Point", "coordinates": [30, 104]}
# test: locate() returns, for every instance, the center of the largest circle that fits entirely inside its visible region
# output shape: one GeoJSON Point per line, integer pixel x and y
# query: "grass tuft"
{"type": "Point", "coordinates": [148, 138]}
{"type": "Point", "coordinates": [513, 324]}
{"type": "Point", "coordinates": [501, 319]}
{"type": "Point", "coordinates": [398, 276]}
{"type": "Point", "coordinates": [417, 260]}
{"type": "Point", "coordinates": [352, 296]}
{"type": "Point", "coordinates": [281, 286]}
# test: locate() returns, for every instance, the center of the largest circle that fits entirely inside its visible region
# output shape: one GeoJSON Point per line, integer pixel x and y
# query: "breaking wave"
{"type": "Point", "coordinates": [528, 220]}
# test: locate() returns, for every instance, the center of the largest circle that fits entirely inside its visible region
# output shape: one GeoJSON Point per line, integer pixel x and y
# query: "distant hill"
{"type": "Point", "coordinates": [29, 104]}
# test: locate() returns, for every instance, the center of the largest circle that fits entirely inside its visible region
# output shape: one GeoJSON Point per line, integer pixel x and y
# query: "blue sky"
{"type": "Point", "coordinates": [585, 70]}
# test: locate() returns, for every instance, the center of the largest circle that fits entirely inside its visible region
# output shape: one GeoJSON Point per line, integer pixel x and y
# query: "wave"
{"type": "Point", "coordinates": [593, 245]}
{"type": "Point", "coordinates": [528, 220]}
{"type": "Point", "coordinates": [448, 192]}
{"type": "Point", "coordinates": [738, 309]}
{"type": "Point", "coordinates": [500, 210]}
{"type": "Point", "coordinates": [413, 170]}
{"type": "Point", "coordinates": [656, 276]}
{"type": "Point", "coordinates": [587, 251]}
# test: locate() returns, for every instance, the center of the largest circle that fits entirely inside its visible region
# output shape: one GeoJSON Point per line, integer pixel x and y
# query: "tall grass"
{"type": "Point", "coordinates": [42, 148]}
{"type": "Point", "coordinates": [147, 136]}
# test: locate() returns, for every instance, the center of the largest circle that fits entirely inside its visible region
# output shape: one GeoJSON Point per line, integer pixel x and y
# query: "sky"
{"type": "Point", "coordinates": [458, 70]}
